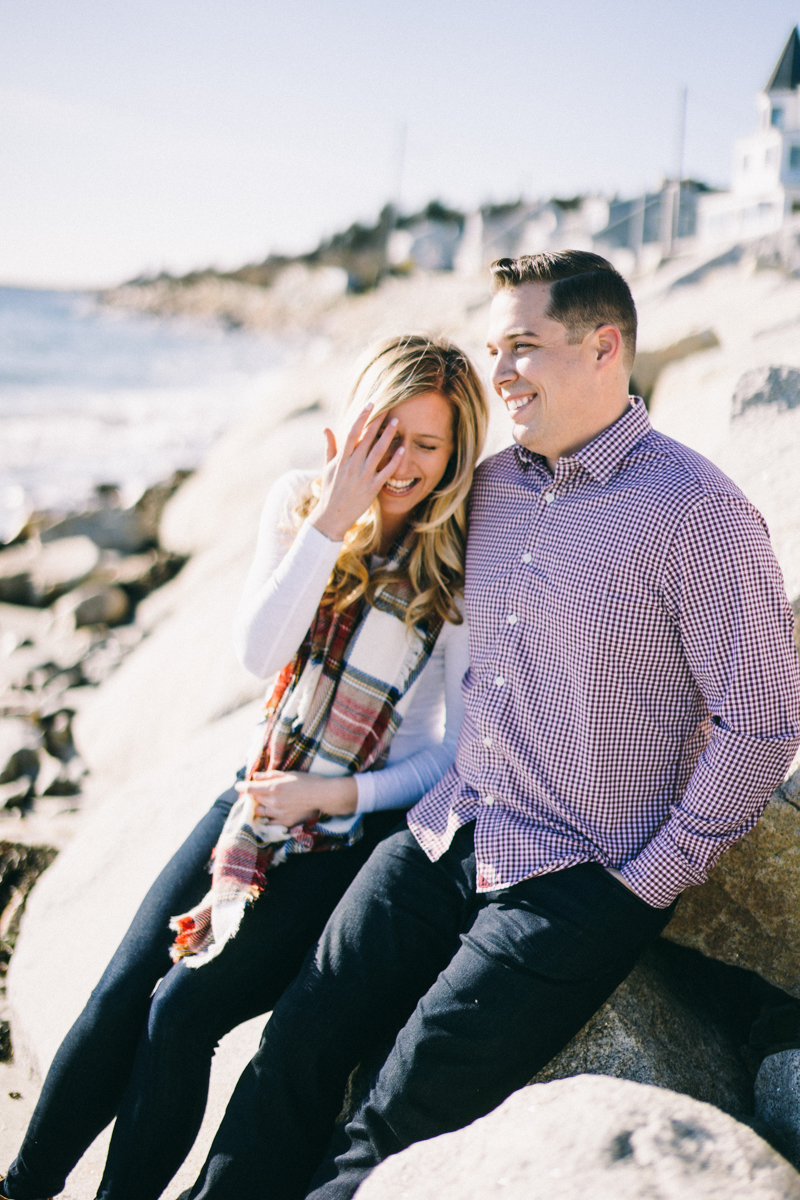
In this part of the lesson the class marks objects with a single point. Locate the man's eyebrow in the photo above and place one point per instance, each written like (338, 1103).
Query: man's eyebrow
(514, 333)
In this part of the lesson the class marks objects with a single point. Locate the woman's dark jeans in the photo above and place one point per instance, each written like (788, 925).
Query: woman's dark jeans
(145, 1058)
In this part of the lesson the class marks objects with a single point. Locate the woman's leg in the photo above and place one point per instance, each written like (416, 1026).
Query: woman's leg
(89, 1073)
(193, 1008)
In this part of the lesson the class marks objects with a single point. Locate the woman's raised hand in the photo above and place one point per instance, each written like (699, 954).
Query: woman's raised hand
(352, 477)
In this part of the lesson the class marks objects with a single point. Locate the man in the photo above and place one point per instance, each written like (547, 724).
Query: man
(632, 701)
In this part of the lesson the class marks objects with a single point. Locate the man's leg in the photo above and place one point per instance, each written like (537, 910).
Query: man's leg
(538, 960)
(391, 934)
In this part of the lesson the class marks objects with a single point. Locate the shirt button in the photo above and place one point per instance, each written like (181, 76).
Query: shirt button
(512, 618)
(549, 497)
(487, 741)
(488, 800)
(499, 681)
(526, 558)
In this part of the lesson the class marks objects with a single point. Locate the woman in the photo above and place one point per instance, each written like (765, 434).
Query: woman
(353, 598)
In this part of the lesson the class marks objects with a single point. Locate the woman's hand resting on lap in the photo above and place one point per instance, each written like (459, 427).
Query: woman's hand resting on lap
(352, 479)
(292, 797)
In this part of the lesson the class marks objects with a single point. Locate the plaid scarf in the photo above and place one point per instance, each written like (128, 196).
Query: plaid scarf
(333, 711)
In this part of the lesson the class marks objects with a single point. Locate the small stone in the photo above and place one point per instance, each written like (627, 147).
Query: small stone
(110, 606)
(93, 605)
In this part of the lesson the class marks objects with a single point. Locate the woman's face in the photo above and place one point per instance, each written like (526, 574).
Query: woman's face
(425, 431)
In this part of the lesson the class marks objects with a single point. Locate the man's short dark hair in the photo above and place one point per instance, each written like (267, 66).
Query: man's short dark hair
(585, 292)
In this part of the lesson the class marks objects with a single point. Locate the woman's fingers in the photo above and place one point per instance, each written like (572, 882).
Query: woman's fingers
(383, 440)
(255, 788)
(390, 467)
(330, 445)
(356, 430)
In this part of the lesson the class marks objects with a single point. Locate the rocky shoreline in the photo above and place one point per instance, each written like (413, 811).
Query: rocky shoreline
(162, 724)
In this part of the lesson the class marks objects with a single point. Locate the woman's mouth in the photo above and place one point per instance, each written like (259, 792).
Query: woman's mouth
(399, 487)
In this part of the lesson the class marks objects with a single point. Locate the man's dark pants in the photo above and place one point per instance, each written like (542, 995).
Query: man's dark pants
(479, 992)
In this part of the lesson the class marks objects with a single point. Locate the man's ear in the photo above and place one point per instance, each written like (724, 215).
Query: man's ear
(607, 345)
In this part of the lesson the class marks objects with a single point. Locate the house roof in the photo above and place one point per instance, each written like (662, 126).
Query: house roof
(787, 73)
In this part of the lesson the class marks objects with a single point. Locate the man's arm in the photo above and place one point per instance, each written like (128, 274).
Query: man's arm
(724, 589)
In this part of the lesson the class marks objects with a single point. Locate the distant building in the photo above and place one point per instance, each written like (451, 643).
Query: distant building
(680, 217)
(766, 172)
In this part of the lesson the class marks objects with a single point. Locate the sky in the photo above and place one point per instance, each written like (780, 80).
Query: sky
(146, 135)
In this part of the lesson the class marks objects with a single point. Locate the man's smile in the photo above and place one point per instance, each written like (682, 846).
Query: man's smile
(515, 403)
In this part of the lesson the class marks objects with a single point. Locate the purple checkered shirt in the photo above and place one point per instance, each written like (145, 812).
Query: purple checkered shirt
(633, 697)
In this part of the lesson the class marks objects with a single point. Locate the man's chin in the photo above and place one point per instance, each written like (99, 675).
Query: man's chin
(523, 436)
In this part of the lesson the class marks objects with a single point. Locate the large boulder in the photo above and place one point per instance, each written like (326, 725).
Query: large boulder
(748, 911)
(667, 1025)
(737, 403)
(608, 1139)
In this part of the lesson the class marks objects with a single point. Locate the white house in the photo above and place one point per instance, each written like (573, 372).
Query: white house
(766, 173)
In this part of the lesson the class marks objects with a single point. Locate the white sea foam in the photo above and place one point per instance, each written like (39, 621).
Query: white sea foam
(90, 395)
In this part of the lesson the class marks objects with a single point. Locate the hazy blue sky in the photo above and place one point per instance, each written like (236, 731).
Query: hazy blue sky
(141, 134)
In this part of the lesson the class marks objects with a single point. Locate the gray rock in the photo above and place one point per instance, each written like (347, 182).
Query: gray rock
(100, 606)
(748, 911)
(650, 363)
(776, 386)
(607, 1139)
(660, 1027)
(114, 528)
(37, 574)
(110, 529)
(777, 1091)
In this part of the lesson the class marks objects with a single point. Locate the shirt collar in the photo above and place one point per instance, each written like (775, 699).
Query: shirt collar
(603, 456)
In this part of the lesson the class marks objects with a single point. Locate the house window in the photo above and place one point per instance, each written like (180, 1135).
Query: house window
(796, 206)
(776, 117)
(794, 158)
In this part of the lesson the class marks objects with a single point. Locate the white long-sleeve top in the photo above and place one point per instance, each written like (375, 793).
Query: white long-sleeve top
(281, 596)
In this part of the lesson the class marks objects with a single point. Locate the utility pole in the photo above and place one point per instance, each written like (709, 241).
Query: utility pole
(400, 164)
(681, 150)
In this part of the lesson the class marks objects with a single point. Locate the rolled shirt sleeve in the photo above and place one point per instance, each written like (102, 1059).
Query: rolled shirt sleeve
(723, 588)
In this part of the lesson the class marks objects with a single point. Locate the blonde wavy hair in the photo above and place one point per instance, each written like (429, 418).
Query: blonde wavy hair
(397, 370)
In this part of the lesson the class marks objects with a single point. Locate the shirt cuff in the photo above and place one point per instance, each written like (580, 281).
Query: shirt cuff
(313, 533)
(660, 872)
(367, 792)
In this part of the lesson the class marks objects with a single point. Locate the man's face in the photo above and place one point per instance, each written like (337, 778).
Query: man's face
(547, 385)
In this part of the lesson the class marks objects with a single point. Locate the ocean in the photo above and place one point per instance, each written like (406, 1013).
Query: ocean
(93, 395)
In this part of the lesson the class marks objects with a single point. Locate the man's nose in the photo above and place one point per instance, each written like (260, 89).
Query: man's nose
(502, 370)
